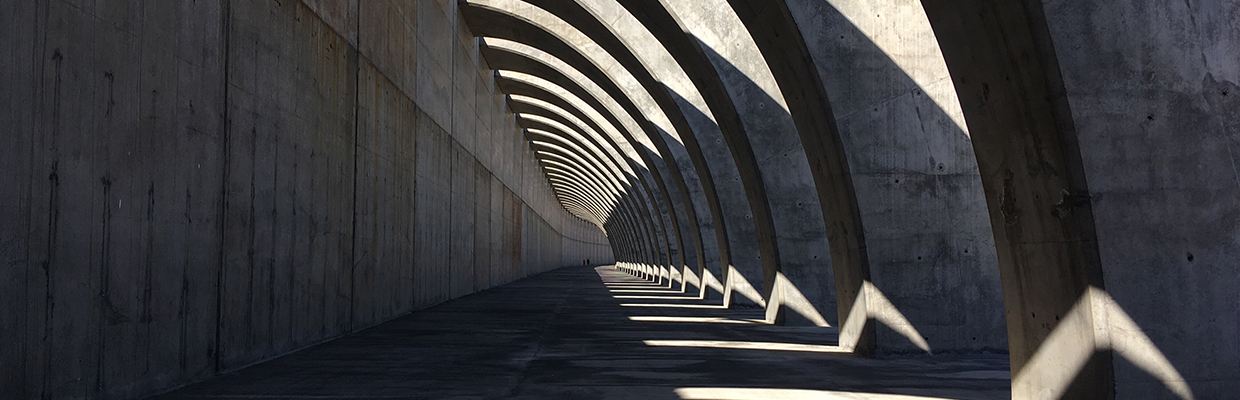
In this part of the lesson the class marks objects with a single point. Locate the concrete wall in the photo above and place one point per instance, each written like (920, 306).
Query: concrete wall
(1153, 91)
(927, 233)
(192, 187)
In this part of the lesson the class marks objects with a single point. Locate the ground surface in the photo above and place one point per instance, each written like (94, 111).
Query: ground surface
(597, 333)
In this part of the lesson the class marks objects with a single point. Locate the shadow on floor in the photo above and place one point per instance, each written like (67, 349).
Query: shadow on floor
(568, 334)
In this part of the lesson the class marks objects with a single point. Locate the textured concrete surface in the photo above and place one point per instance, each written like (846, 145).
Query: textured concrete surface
(1103, 152)
(792, 238)
(193, 187)
(565, 334)
(1155, 104)
(188, 188)
(926, 229)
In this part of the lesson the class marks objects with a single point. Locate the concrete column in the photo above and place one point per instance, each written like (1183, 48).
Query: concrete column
(918, 190)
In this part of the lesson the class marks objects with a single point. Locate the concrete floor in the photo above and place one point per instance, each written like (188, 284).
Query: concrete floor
(596, 333)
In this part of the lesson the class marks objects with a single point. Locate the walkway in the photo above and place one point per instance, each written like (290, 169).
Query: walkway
(568, 334)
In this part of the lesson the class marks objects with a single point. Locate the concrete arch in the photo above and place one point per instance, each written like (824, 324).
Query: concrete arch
(913, 166)
(553, 93)
(604, 165)
(560, 122)
(574, 182)
(588, 22)
(548, 114)
(603, 34)
(584, 165)
(786, 173)
(490, 22)
(1048, 259)
(557, 119)
(688, 52)
(549, 91)
(588, 199)
(540, 144)
(776, 35)
(636, 242)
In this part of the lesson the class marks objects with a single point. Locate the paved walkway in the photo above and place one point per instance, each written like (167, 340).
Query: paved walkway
(597, 333)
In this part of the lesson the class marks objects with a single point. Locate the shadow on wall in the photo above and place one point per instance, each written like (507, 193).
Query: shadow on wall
(1061, 358)
(917, 185)
(906, 281)
(967, 282)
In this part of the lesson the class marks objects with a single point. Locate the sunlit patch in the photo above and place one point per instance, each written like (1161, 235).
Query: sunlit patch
(871, 303)
(737, 283)
(721, 30)
(738, 345)
(700, 306)
(655, 297)
(612, 131)
(710, 281)
(1062, 355)
(704, 320)
(786, 394)
(618, 289)
(928, 71)
(785, 294)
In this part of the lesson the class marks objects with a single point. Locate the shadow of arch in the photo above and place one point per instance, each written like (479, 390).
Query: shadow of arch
(1000, 56)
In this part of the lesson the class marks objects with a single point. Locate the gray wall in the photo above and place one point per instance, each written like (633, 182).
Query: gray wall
(931, 250)
(190, 187)
(1153, 93)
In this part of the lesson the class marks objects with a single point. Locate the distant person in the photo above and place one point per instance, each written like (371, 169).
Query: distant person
(583, 262)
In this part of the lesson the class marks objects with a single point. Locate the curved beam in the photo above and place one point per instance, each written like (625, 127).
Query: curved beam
(561, 133)
(672, 33)
(485, 21)
(538, 126)
(543, 139)
(779, 40)
(590, 24)
(527, 105)
(1034, 177)
(537, 87)
(550, 145)
(570, 181)
(596, 199)
(620, 229)
(568, 134)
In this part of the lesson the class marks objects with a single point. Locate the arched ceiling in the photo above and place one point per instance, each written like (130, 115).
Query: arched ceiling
(632, 121)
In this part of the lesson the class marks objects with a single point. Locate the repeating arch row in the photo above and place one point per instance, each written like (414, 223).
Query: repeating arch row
(704, 138)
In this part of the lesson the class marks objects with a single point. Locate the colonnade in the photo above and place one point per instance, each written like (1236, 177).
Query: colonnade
(915, 173)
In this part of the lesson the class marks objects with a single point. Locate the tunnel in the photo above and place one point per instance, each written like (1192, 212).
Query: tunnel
(619, 199)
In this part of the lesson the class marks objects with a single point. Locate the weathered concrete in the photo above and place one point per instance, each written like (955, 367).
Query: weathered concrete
(192, 187)
(1153, 100)
(928, 237)
(1074, 95)
(796, 245)
(519, 22)
(563, 334)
